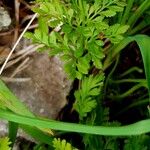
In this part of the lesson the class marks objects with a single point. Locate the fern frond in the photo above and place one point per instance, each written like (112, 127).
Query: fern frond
(86, 95)
(4, 143)
(59, 144)
(84, 33)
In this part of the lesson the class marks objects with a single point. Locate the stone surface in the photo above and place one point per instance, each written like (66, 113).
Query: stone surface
(5, 19)
(3, 128)
(45, 94)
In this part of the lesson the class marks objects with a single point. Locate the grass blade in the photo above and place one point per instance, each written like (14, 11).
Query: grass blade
(137, 128)
(143, 42)
(9, 101)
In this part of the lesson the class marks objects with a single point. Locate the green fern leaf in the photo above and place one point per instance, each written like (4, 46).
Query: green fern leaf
(62, 145)
(86, 96)
(4, 143)
(109, 13)
(115, 32)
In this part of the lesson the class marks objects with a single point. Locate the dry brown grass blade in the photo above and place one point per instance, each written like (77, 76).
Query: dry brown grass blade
(15, 45)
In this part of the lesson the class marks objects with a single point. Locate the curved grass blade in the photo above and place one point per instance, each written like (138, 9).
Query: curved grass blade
(137, 128)
(143, 43)
(9, 101)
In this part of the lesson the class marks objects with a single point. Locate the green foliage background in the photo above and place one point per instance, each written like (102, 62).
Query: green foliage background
(88, 36)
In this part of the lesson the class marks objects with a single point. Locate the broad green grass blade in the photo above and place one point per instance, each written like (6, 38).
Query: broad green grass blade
(143, 42)
(9, 101)
(137, 128)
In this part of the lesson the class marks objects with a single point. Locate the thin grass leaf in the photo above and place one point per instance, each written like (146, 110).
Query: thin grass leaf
(137, 128)
(143, 43)
(9, 101)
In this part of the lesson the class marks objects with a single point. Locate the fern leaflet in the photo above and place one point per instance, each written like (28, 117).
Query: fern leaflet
(62, 145)
(86, 95)
(4, 143)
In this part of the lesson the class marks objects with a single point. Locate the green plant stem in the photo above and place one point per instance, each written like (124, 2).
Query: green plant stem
(128, 80)
(137, 14)
(130, 70)
(127, 11)
(137, 128)
(110, 74)
(129, 92)
(114, 51)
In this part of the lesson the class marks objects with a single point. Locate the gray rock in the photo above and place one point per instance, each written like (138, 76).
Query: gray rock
(3, 128)
(45, 94)
(5, 19)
